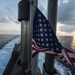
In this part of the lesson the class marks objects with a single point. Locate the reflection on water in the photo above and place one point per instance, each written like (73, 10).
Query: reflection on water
(73, 43)
(65, 41)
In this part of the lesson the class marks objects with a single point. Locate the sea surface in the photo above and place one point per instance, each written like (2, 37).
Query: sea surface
(5, 53)
(67, 41)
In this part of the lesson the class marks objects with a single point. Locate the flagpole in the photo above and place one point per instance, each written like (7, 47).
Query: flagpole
(32, 13)
(26, 36)
(52, 15)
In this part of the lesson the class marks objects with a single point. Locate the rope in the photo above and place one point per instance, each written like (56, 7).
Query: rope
(31, 2)
(28, 69)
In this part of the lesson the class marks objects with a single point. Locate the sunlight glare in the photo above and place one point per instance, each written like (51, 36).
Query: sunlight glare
(73, 43)
(74, 33)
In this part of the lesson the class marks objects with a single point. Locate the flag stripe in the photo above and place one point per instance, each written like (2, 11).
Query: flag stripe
(36, 50)
(71, 55)
(66, 54)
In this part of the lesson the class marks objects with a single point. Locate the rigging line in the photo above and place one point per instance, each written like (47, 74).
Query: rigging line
(31, 2)
(28, 68)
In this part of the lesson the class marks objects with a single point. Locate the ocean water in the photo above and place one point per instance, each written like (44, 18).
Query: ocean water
(60, 68)
(67, 41)
(5, 53)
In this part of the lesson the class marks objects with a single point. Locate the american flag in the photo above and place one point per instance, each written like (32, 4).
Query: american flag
(36, 50)
(44, 35)
(68, 56)
(45, 40)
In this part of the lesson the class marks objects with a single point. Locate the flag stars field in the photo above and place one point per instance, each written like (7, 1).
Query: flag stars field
(47, 45)
(45, 25)
(55, 43)
(42, 40)
(40, 25)
(50, 34)
(46, 34)
(42, 28)
(39, 15)
(47, 39)
(57, 48)
(42, 44)
(45, 30)
(41, 35)
(51, 44)
(44, 20)
(40, 20)
(49, 29)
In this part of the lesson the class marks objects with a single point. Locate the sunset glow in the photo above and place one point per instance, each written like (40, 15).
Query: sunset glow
(73, 43)
(74, 33)
(63, 33)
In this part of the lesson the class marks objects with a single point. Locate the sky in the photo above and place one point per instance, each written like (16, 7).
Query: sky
(8, 17)
(65, 16)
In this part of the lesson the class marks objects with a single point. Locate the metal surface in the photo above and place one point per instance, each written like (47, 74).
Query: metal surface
(52, 13)
(24, 50)
(35, 59)
(26, 44)
(26, 36)
(44, 70)
(23, 10)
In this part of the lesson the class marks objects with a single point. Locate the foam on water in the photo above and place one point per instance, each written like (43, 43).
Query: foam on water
(5, 53)
(60, 68)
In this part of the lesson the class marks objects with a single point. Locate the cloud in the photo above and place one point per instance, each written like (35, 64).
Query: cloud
(8, 14)
(11, 28)
(3, 17)
(9, 23)
(67, 28)
(66, 12)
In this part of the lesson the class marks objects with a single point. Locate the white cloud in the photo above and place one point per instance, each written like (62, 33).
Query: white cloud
(66, 12)
(9, 17)
(10, 28)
